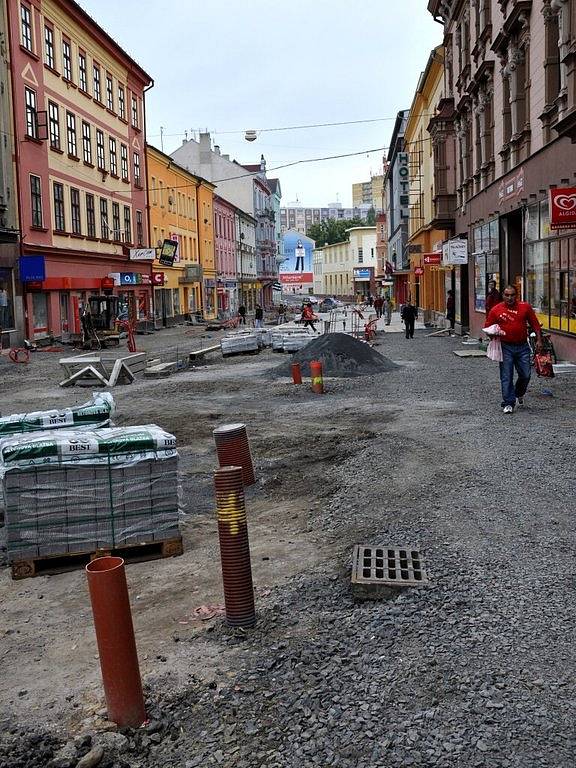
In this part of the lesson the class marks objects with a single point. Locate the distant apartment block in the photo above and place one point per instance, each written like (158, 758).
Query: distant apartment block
(300, 217)
(369, 193)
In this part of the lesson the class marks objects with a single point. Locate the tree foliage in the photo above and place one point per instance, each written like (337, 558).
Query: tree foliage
(332, 231)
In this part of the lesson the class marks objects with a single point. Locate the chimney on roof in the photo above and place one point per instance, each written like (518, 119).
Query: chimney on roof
(216, 149)
(262, 164)
(226, 157)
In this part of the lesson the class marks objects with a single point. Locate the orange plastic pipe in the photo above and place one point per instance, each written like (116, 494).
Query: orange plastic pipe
(317, 380)
(116, 643)
(296, 373)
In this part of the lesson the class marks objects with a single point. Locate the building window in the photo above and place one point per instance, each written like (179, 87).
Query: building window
(71, 131)
(139, 229)
(109, 93)
(66, 60)
(116, 221)
(82, 72)
(26, 27)
(134, 111)
(90, 216)
(104, 228)
(87, 142)
(122, 102)
(113, 157)
(49, 47)
(124, 162)
(36, 199)
(127, 225)
(75, 208)
(360, 255)
(136, 169)
(54, 124)
(59, 219)
(100, 155)
(96, 79)
(31, 116)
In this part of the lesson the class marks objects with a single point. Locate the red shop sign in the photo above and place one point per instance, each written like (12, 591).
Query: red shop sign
(432, 258)
(107, 282)
(418, 271)
(158, 278)
(563, 208)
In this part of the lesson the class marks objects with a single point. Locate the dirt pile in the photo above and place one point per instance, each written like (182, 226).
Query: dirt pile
(341, 355)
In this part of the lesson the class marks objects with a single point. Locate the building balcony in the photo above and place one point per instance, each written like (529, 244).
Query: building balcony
(444, 211)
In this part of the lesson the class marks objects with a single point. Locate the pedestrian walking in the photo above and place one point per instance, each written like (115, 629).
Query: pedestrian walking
(387, 309)
(409, 314)
(370, 300)
(451, 309)
(258, 316)
(378, 303)
(514, 317)
(308, 316)
(281, 314)
(493, 296)
(242, 314)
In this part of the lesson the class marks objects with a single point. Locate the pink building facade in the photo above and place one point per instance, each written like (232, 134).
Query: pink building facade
(225, 246)
(79, 127)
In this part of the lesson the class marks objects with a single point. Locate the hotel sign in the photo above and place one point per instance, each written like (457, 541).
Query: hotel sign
(563, 208)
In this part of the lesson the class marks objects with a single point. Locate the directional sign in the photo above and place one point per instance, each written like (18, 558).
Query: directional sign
(432, 258)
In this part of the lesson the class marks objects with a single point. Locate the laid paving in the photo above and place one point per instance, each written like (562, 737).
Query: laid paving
(476, 669)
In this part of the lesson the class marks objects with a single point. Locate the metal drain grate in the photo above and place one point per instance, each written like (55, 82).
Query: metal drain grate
(390, 567)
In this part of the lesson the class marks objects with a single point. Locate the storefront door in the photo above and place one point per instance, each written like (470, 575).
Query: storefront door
(64, 317)
(40, 315)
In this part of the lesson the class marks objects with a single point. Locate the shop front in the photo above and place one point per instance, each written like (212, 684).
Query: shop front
(364, 283)
(227, 292)
(210, 298)
(54, 299)
(11, 311)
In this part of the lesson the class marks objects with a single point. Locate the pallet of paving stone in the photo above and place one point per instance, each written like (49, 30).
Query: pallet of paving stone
(96, 412)
(71, 561)
(79, 492)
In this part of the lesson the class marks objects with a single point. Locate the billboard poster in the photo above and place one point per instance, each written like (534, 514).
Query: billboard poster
(297, 267)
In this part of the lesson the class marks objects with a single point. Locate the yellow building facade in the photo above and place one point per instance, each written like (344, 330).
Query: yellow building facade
(427, 281)
(180, 206)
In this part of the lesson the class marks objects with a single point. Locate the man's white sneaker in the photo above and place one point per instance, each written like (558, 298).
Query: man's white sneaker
(508, 409)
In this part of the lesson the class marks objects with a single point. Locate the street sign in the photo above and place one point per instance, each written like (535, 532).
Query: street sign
(563, 208)
(432, 258)
(455, 251)
(142, 254)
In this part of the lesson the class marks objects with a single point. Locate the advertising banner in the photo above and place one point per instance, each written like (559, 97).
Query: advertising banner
(168, 253)
(563, 208)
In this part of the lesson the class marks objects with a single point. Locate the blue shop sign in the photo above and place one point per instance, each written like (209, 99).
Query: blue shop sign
(32, 269)
(129, 278)
(362, 274)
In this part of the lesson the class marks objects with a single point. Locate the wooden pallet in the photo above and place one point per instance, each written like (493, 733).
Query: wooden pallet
(134, 553)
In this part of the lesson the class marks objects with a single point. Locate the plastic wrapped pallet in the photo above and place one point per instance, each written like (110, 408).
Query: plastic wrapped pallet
(79, 491)
(97, 412)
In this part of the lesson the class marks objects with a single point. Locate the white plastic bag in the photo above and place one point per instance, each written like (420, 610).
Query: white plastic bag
(494, 351)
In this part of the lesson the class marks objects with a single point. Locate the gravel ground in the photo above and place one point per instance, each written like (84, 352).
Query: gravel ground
(474, 670)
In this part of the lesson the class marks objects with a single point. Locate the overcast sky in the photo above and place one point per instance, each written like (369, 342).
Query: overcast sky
(232, 66)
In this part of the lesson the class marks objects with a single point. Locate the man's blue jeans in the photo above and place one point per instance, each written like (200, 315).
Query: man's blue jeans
(516, 356)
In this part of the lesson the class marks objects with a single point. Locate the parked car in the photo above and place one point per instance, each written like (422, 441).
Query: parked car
(329, 303)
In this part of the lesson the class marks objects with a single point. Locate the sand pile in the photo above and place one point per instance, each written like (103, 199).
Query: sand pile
(341, 355)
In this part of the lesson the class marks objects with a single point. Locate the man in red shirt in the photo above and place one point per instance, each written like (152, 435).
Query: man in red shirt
(514, 317)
